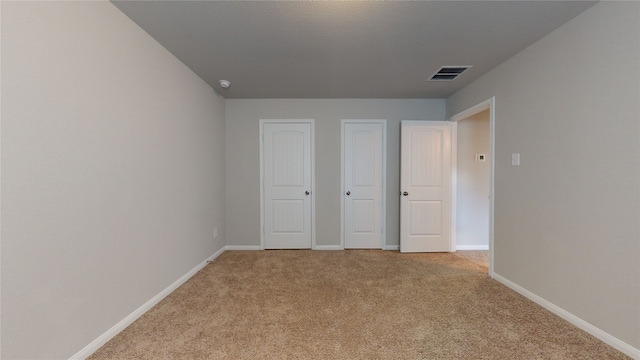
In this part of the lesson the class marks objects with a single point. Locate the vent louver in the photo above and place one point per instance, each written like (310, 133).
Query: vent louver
(448, 73)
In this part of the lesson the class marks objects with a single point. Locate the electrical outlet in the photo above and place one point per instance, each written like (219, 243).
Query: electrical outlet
(215, 233)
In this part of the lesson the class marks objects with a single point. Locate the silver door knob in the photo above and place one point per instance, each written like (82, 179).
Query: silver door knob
(306, 193)
(348, 193)
(405, 193)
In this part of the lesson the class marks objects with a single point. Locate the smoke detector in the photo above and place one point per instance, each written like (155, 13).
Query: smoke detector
(224, 84)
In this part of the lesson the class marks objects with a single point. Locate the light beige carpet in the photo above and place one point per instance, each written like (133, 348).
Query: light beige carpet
(480, 257)
(349, 305)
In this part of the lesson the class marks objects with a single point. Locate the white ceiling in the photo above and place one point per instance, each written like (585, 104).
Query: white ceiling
(345, 49)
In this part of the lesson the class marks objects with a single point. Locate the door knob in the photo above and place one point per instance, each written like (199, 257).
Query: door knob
(405, 193)
(348, 193)
(306, 193)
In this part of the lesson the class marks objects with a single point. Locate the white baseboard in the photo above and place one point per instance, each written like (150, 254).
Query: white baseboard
(391, 247)
(472, 247)
(117, 328)
(328, 247)
(242, 247)
(597, 332)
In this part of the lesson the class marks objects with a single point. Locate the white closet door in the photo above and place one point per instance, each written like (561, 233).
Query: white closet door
(363, 184)
(425, 185)
(287, 185)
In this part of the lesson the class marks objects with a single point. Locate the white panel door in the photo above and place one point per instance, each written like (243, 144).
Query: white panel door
(425, 186)
(287, 185)
(363, 185)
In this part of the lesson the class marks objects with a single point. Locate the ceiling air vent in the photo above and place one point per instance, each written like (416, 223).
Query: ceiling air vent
(448, 73)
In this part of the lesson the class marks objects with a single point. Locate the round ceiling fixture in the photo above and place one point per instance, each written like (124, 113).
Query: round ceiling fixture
(224, 84)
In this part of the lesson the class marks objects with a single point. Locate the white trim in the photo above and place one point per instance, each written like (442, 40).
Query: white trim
(328, 247)
(313, 182)
(342, 123)
(392, 247)
(243, 247)
(261, 136)
(492, 155)
(313, 174)
(472, 247)
(453, 233)
(122, 324)
(487, 104)
(383, 122)
(491, 105)
(589, 328)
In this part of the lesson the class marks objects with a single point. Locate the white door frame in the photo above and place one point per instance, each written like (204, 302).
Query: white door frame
(383, 245)
(311, 122)
(491, 105)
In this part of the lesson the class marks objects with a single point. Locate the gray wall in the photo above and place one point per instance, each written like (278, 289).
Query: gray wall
(474, 181)
(566, 220)
(112, 173)
(243, 158)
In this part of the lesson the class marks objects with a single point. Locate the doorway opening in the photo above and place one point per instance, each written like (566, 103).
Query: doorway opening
(473, 179)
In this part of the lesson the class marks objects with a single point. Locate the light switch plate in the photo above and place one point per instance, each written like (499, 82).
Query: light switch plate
(515, 159)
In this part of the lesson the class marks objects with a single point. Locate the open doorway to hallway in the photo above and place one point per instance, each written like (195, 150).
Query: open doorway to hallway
(473, 183)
